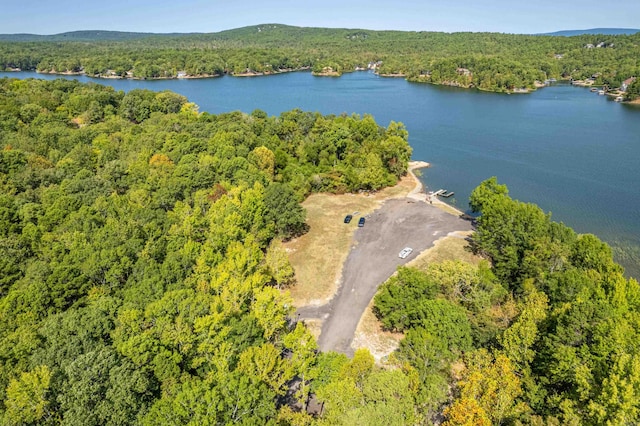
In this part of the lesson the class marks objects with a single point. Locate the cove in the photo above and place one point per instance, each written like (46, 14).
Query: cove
(564, 148)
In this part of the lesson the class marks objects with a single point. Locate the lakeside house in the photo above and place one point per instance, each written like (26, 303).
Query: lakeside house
(625, 84)
(602, 44)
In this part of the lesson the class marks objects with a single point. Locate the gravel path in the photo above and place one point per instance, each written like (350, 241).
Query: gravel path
(373, 259)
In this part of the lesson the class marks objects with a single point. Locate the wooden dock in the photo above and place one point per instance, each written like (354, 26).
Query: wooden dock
(443, 193)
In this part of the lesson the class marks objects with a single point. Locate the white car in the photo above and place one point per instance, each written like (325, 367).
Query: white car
(405, 252)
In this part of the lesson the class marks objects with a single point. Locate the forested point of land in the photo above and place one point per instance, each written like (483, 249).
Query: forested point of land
(486, 61)
(143, 280)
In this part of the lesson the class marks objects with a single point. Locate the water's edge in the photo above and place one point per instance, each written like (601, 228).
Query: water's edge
(564, 148)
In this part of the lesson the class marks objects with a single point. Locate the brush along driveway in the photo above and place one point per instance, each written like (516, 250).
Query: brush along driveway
(373, 258)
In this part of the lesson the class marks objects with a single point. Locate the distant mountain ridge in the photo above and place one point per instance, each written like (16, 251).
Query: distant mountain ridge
(86, 35)
(103, 35)
(606, 31)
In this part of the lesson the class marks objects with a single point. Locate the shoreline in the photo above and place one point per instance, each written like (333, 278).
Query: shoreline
(418, 194)
(176, 77)
(334, 74)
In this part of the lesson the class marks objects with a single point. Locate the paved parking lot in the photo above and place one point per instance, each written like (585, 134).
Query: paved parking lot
(374, 258)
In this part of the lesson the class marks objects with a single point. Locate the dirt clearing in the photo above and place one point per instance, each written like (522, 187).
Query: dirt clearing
(317, 257)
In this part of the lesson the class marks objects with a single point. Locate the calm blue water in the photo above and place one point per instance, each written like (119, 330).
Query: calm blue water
(570, 151)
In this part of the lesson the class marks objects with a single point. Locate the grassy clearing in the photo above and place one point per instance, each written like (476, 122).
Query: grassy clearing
(453, 247)
(317, 257)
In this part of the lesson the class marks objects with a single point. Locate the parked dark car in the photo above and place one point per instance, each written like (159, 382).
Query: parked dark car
(361, 222)
(347, 218)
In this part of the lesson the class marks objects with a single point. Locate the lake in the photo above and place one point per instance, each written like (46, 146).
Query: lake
(570, 151)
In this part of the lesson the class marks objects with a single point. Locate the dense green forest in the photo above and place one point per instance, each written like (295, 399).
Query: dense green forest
(544, 334)
(143, 280)
(141, 271)
(487, 61)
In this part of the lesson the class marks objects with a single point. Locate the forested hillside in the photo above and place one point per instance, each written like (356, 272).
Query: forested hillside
(487, 61)
(143, 280)
(78, 36)
(548, 335)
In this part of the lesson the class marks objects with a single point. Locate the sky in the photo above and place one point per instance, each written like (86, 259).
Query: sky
(162, 16)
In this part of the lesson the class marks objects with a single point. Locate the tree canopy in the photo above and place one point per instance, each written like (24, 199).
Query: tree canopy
(486, 61)
(142, 279)
(547, 335)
